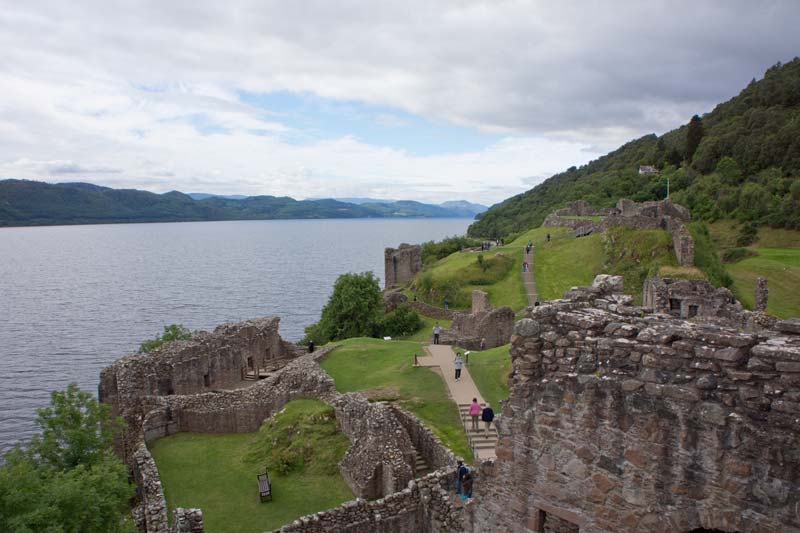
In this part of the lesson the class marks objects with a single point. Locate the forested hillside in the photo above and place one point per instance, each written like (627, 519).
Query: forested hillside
(32, 203)
(741, 161)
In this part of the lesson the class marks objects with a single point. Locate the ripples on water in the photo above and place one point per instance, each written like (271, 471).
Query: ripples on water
(75, 298)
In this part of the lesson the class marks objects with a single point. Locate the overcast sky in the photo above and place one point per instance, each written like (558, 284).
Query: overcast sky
(424, 100)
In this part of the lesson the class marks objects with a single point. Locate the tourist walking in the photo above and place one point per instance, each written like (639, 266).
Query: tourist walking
(474, 413)
(310, 346)
(487, 416)
(446, 304)
(483, 343)
(436, 331)
(461, 471)
(466, 486)
(459, 364)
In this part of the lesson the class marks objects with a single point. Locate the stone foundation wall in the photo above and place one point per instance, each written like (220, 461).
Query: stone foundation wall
(152, 504)
(622, 421)
(381, 457)
(401, 264)
(425, 506)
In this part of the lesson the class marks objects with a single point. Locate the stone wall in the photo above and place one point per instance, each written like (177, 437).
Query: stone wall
(381, 457)
(761, 295)
(425, 506)
(401, 264)
(436, 454)
(432, 311)
(623, 421)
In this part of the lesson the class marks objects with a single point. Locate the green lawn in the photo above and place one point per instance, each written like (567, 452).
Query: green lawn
(777, 259)
(593, 218)
(426, 333)
(566, 262)
(384, 370)
(490, 370)
(781, 267)
(218, 474)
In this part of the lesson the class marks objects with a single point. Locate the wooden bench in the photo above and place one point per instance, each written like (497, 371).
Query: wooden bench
(264, 486)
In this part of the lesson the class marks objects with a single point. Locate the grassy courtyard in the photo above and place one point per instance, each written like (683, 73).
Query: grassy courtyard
(383, 370)
(218, 472)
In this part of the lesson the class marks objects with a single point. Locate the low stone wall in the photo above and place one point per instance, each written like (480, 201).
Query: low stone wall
(430, 447)
(623, 421)
(432, 311)
(425, 506)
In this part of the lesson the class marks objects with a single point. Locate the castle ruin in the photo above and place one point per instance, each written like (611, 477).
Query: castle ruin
(401, 264)
(663, 215)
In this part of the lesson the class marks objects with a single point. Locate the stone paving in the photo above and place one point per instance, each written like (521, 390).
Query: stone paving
(462, 392)
(527, 278)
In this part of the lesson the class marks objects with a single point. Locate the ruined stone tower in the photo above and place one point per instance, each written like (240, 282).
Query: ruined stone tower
(401, 264)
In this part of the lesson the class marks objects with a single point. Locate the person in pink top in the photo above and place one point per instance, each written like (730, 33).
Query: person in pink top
(475, 412)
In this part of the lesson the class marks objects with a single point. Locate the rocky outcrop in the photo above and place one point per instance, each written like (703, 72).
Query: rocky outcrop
(624, 421)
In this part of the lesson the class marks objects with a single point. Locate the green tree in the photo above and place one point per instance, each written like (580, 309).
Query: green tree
(355, 309)
(173, 332)
(728, 169)
(693, 136)
(67, 479)
(754, 201)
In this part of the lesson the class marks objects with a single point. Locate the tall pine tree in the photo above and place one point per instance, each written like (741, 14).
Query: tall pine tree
(694, 136)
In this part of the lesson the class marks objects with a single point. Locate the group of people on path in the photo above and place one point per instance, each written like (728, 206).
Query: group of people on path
(486, 414)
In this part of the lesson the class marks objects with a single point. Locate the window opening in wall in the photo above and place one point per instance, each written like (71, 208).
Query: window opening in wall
(693, 310)
(674, 305)
(206, 380)
(249, 362)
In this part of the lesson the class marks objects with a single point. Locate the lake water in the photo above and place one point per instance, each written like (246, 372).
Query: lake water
(75, 298)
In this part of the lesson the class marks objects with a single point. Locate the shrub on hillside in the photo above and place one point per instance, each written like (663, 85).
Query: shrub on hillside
(173, 332)
(433, 251)
(355, 309)
(401, 322)
(67, 478)
(735, 255)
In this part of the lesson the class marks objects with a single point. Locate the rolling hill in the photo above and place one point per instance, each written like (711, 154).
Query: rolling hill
(34, 203)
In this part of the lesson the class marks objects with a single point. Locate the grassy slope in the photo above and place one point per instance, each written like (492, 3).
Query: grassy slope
(566, 262)
(214, 472)
(365, 364)
(490, 370)
(508, 291)
(778, 260)
(425, 334)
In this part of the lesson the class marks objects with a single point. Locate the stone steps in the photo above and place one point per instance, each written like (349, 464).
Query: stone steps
(421, 467)
(482, 442)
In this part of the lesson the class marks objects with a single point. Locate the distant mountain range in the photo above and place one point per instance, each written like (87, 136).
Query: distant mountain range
(35, 203)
